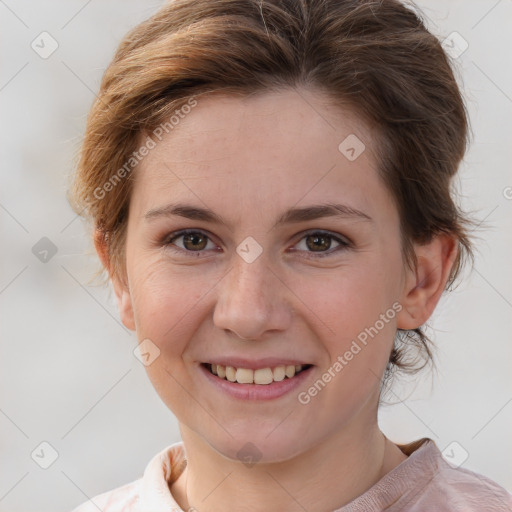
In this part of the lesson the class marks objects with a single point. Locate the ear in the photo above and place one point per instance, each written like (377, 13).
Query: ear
(425, 284)
(121, 290)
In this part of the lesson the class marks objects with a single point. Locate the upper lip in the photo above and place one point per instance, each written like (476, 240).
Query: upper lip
(255, 364)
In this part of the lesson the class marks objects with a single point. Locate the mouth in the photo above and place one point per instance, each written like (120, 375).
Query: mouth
(257, 377)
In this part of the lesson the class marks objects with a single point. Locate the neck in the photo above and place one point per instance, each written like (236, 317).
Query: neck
(324, 478)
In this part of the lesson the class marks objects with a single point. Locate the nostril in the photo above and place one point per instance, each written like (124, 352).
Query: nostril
(241, 337)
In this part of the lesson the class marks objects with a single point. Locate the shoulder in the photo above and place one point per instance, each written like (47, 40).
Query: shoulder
(149, 493)
(452, 488)
(122, 499)
(467, 490)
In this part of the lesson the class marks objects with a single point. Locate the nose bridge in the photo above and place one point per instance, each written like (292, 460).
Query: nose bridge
(249, 283)
(251, 300)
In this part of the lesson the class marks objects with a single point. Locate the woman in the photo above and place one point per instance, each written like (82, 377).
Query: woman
(269, 185)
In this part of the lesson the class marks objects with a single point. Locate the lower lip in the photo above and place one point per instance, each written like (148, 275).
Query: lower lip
(257, 391)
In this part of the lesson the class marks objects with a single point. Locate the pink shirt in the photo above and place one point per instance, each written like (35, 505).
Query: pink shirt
(424, 482)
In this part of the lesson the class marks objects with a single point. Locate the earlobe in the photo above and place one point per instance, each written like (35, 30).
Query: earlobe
(121, 290)
(425, 284)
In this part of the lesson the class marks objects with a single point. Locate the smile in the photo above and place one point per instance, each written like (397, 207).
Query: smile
(260, 376)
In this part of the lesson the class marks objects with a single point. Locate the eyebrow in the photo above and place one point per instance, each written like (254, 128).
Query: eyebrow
(293, 215)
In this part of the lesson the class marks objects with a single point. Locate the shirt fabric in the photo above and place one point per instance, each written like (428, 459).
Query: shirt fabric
(424, 482)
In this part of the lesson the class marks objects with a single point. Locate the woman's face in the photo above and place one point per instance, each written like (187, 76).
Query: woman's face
(267, 277)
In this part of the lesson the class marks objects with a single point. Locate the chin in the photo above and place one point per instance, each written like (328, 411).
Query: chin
(251, 447)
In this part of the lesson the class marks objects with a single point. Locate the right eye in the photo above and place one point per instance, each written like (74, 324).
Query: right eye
(191, 241)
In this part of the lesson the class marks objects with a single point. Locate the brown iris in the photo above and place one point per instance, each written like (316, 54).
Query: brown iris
(194, 241)
(318, 242)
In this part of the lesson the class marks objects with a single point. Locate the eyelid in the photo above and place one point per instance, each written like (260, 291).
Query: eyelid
(336, 236)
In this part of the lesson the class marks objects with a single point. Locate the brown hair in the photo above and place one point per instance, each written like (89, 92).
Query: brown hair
(375, 56)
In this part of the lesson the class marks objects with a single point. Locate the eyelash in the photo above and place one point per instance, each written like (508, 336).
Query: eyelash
(344, 243)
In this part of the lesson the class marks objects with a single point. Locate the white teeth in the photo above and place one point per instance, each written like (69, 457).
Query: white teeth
(244, 376)
(290, 371)
(261, 376)
(231, 373)
(279, 373)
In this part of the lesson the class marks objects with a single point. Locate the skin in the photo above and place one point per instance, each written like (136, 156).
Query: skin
(249, 160)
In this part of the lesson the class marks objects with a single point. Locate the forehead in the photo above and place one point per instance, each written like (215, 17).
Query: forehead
(273, 149)
(284, 117)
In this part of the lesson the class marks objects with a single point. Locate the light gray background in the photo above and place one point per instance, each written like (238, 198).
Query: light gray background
(67, 372)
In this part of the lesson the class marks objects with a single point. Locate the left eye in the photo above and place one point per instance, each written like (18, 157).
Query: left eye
(320, 242)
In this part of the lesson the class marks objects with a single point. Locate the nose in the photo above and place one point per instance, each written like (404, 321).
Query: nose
(252, 300)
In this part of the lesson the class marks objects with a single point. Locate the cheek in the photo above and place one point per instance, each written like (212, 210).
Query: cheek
(354, 309)
(347, 300)
(165, 306)
(164, 303)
